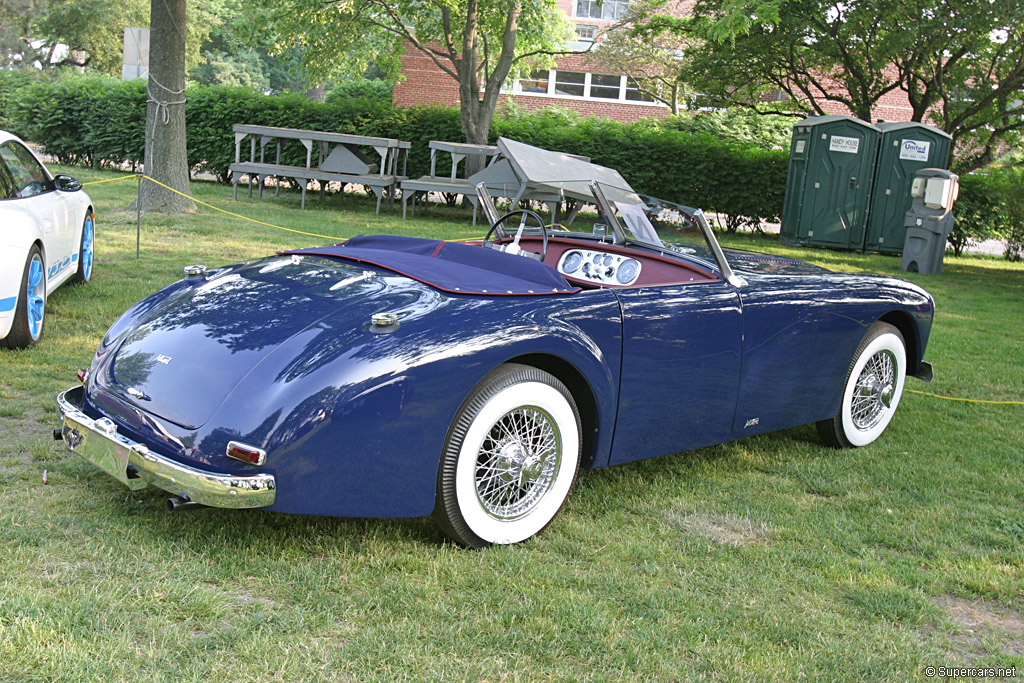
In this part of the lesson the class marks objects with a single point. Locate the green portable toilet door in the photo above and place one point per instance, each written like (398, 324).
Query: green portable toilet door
(839, 174)
(904, 150)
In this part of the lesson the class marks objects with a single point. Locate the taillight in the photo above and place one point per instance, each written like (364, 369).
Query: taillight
(83, 376)
(249, 454)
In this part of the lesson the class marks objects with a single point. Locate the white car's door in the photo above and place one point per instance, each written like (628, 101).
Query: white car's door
(53, 210)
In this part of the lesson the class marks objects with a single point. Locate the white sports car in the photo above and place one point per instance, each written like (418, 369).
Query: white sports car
(47, 228)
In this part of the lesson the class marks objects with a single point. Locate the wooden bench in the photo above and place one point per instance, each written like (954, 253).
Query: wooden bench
(339, 159)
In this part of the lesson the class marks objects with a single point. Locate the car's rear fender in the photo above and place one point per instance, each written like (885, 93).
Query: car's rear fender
(362, 434)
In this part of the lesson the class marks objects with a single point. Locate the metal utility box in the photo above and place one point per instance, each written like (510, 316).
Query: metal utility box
(904, 149)
(828, 190)
(929, 220)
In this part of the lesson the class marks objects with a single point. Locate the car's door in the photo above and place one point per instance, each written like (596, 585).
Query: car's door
(36, 192)
(680, 368)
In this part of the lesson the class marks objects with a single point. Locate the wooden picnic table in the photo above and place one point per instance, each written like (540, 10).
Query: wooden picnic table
(451, 184)
(340, 158)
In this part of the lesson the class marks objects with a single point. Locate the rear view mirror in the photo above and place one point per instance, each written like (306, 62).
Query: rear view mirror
(66, 183)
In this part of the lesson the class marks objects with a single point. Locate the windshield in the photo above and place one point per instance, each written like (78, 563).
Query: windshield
(614, 213)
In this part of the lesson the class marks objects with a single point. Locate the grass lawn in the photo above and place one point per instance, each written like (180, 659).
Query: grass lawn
(770, 558)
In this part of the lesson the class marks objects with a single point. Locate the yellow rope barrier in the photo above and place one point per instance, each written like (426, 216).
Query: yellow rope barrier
(109, 180)
(235, 215)
(968, 400)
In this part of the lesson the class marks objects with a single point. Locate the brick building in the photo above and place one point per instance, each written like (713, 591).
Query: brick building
(575, 82)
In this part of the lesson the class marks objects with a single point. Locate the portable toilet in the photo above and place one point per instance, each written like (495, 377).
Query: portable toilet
(828, 189)
(905, 148)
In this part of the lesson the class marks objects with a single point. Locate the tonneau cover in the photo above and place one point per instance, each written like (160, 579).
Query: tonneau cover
(450, 266)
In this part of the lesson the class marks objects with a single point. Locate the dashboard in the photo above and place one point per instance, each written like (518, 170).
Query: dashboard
(600, 268)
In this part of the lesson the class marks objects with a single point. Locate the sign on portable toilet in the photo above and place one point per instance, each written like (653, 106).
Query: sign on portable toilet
(828, 189)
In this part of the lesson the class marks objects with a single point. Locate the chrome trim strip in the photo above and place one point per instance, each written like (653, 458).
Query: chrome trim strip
(135, 466)
(608, 211)
(723, 264)
(487, 203)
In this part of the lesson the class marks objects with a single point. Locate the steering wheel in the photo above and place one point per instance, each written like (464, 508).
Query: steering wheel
(513, 247)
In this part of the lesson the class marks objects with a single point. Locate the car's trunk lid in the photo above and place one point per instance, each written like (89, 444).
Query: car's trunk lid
(182, 360)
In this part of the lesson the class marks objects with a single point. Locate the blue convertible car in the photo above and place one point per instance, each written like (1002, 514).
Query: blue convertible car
(396, 377)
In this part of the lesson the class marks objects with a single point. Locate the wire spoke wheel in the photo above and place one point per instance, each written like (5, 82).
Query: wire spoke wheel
(872, 391)
(517, 462)
(510, 458)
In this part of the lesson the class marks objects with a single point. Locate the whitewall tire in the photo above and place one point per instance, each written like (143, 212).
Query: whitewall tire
(873, 388)
(510, 459)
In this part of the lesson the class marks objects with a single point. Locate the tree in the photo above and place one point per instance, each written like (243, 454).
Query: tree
(960, 63)
(86, 34)
(650, 45)
(165, 151)
(478, 43)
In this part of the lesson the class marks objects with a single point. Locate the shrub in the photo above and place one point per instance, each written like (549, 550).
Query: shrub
(1013, 218)
(101, 121)
(977, 213)
(12, 83)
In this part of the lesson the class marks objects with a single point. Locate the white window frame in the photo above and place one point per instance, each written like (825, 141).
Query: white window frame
(623, 3)
(517, 90)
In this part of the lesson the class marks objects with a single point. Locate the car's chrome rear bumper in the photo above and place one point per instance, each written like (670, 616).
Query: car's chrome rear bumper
(133, 464)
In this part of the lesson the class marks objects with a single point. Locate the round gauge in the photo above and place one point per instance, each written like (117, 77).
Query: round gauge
(572, 262)
(628, 271)
(607, 259)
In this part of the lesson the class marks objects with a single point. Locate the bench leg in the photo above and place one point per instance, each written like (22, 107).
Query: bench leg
(405, 202)
(303, 204)
(234, 188)
(379, 193)
(250, 186)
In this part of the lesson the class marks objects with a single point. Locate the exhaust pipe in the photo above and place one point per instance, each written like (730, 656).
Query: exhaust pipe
(177, 503)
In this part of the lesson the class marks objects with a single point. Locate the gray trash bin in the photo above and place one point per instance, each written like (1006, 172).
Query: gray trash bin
(930, 220)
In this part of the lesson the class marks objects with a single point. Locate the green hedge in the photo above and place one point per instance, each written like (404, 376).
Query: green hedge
(101, 121)
(976, 213)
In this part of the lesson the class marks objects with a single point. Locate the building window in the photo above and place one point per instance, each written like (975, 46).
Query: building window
(581, 85)
(570, 83)
(609, 10)
(633, 93)
(605, 87)
(537, 82)
(586, 33)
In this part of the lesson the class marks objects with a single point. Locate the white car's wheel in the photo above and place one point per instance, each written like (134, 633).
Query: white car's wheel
(510, 459)
(85, 250)
(30, 311)
(874, 385)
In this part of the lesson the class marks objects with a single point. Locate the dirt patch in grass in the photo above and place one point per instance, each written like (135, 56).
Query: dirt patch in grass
(980, 621)
(726, 529)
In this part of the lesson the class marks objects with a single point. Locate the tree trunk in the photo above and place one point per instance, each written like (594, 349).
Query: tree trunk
(165, 152)
(316, 93)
